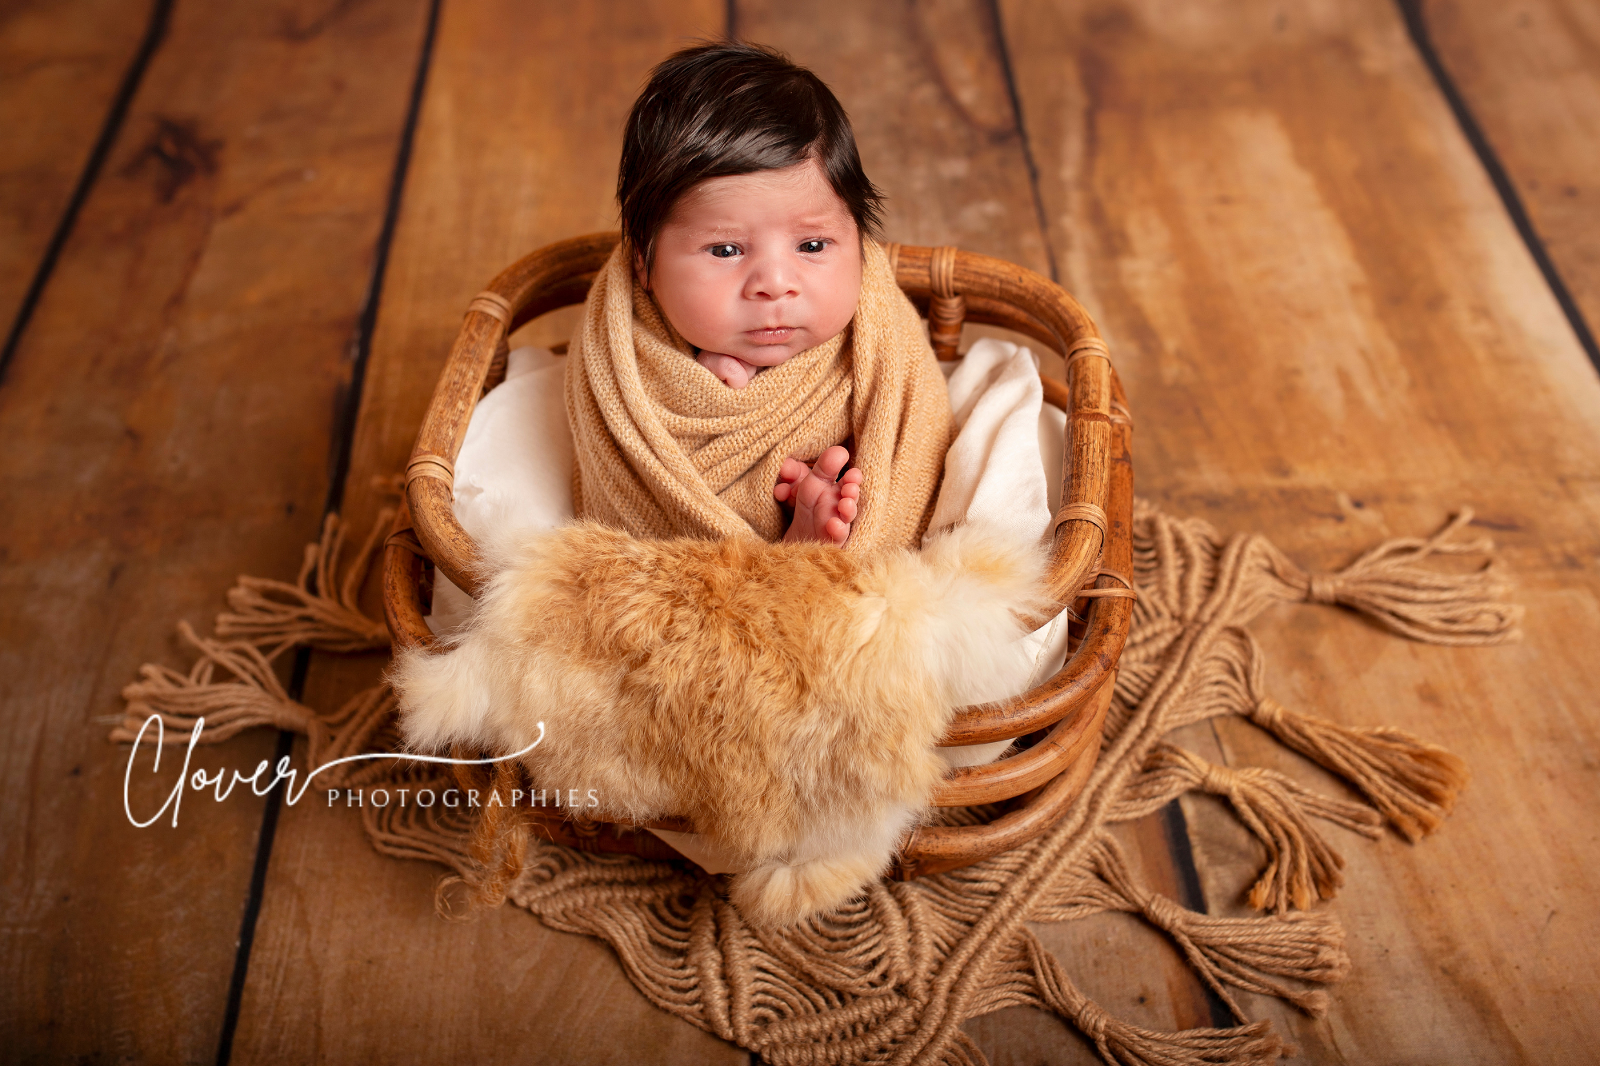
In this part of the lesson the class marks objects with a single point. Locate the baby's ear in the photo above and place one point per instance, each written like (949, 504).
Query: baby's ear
(641, 275)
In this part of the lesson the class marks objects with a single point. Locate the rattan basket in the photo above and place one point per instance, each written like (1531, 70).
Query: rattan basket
(1058, 724)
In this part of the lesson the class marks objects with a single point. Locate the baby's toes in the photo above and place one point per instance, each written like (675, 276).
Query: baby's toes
(790, 474)
(830, 462)
(836, 530)
(847, 508)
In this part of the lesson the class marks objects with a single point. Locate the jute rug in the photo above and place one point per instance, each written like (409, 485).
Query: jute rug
(891, 978)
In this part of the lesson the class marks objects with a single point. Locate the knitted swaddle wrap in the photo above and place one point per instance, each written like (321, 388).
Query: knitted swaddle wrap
(665, 449)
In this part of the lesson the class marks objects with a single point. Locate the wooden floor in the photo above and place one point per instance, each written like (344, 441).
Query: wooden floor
(1343, 253)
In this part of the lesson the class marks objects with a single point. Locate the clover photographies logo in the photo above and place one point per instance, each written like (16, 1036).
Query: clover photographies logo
(223, 782)
(563, 798)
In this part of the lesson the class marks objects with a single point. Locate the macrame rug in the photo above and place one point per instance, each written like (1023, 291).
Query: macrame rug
(892, 977)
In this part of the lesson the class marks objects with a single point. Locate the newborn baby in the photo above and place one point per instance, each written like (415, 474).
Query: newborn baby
(786, 697)
(752, 269)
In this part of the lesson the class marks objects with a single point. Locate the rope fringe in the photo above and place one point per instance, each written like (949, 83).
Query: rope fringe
(1247, 953)
(1434, 607)
(320, 609)
(1302, 867)
(1414, 784)
(1121, 1044)
(254, 698)
(1181, 558)
(891, 977)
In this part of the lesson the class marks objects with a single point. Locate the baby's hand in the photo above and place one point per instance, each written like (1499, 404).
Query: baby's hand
(824, 503)
(730, 369)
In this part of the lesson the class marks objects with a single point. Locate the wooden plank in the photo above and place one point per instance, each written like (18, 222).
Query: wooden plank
(1331, 333)
(1530, 73)
(172, 401)
(517, 146)
(63, 65)
(925, 85)
(926, 90)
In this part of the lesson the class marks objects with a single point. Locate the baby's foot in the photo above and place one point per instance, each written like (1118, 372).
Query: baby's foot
(730, 369)
(824, 503)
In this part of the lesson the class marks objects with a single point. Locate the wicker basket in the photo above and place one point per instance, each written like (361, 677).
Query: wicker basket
(1059, 723)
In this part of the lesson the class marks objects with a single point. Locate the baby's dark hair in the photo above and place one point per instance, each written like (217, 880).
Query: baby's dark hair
(732, 108)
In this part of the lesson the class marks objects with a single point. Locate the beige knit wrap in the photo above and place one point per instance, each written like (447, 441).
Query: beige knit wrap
(665, 449)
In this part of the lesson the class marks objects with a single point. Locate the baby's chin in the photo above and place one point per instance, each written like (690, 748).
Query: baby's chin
(765, 356)
(769, 355)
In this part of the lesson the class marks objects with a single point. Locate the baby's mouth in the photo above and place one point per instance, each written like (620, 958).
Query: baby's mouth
(771, 333)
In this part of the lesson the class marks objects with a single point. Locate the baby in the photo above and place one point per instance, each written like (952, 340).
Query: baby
(785, 697)
(761, 257)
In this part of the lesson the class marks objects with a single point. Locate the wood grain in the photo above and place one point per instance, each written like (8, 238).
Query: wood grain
(61, 65)
(172, 398)
(1333, 334)
(926, 88)
(1327, 326)
(517, 146)
(1530, 72)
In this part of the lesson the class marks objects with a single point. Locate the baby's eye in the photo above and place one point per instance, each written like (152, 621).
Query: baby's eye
(724, 251)
(813, 247)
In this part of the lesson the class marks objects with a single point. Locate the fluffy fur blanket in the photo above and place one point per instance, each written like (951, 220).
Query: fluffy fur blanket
(785, 697)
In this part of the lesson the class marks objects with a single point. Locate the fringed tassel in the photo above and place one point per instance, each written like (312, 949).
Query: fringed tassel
(1387, 585)
(1247, 953)
(254, 698)
(1302, 867)
(321, 608)
(498, 846)
(1414, 784)
(355, 729)
(1130, 1045)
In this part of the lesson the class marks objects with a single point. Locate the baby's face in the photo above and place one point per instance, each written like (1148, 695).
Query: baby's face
(759, 266)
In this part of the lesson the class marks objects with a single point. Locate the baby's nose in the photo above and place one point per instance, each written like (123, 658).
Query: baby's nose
(772, 280)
